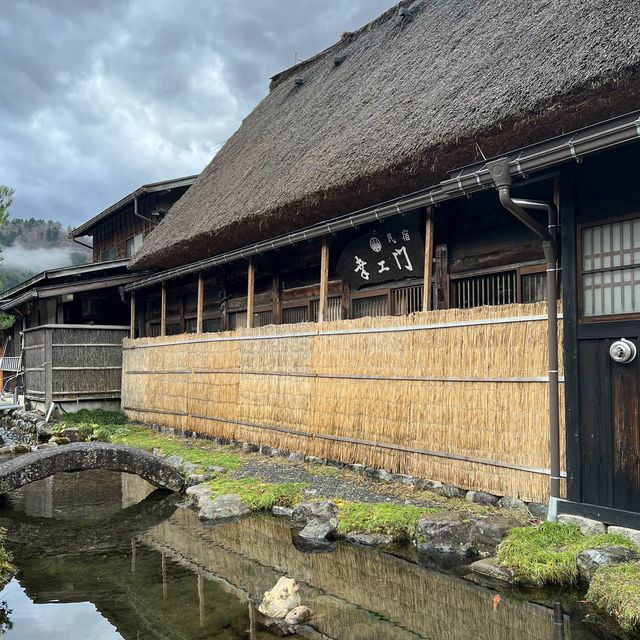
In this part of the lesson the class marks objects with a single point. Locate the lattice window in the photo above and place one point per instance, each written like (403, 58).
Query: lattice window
(611, 268)
(293, 315)
(406, 300)
(237, 320)
(262, 318)
(485, 289)
(370, 306)
(334, 309)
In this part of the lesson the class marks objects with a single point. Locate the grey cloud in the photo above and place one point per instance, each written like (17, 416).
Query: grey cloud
(99, 97)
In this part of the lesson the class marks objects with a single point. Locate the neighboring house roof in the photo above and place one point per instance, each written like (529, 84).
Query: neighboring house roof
(428, 86)
(88, 227)
(55, 282)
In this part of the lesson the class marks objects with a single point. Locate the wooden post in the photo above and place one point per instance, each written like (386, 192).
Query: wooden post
(323, 306)
(251, 283)
(276, 300)
(427, 303)
(163, 310)
(200, 311)
(132, 329)
(442, 277)
(345, 301)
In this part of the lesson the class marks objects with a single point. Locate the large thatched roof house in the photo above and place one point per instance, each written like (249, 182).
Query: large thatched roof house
(427, 87)
(425, 201)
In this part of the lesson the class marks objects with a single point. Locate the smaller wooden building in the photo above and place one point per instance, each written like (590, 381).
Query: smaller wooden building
(70, 322)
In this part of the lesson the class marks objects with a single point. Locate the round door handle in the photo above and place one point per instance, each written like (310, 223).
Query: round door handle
(623, 351)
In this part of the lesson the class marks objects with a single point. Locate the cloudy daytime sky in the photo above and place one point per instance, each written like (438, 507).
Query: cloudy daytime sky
(100, 97)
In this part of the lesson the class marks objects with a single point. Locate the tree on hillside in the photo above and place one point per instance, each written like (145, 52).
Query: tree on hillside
(6, 198)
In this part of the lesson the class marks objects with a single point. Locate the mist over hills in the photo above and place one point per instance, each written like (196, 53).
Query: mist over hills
(31, 245)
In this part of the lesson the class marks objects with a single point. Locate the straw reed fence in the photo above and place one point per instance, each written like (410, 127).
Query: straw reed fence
(355, 593)
(458, 396)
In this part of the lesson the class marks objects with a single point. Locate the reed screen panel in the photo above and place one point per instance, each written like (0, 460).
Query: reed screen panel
(458, 396)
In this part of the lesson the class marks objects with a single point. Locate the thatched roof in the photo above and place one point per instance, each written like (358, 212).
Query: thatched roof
(394, 106)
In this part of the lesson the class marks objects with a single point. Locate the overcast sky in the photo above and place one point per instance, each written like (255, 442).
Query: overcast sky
(99, 97)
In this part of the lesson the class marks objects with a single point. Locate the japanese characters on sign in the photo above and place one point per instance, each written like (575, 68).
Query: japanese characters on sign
(394, 251)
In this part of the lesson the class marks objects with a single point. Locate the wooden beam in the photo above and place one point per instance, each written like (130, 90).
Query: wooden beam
(277, 300)
(200, 310)
(251, 283)
(323, 306)
(163, 310)
(427, 301)
(132, 323)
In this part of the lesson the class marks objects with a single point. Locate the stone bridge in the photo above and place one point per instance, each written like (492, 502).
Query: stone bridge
(81, 456)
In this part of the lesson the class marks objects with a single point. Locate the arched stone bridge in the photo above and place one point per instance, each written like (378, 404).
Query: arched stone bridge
(81, 456)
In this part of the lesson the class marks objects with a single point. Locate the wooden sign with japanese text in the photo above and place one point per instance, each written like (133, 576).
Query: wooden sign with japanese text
(393, 251)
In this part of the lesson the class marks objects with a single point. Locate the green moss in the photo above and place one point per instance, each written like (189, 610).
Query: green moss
(258, 495)
(616, 591)
(396, 520)
(110, 426)
(547, 553)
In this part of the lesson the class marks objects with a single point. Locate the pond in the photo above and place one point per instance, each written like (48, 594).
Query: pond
(102, 556)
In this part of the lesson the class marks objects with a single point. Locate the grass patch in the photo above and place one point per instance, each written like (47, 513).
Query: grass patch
(616, 591)
(396, 520)
(258, 495)
(111, 426)
(546, 554)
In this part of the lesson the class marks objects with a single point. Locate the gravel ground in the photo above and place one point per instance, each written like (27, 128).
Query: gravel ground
(331, 482)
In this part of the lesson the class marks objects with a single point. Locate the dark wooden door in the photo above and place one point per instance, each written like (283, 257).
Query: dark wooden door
(609, 391)
(610, 431)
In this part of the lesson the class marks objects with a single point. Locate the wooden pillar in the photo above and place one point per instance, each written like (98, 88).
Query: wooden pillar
(163, 310)
(251, 283)
(132, 328)
(323, 306)
(427, 302)
(200, 310)
(442, 277)
(345, 301)
(276, 300)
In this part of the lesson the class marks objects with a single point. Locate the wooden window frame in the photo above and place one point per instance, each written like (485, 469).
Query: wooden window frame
(582, 319)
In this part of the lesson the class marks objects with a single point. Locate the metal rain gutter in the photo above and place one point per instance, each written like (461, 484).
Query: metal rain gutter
(518, 207)
(572, 146)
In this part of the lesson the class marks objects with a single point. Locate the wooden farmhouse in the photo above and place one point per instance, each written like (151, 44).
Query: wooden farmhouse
(421, 253)
(66, 342)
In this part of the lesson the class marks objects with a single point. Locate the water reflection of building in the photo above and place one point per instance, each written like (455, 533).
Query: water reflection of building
(155, 571)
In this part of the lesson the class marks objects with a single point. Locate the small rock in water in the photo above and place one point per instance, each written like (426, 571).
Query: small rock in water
(47, 445)
(298, 615)
(223, 507)
(59, 440)
(320, 519)
(369, 539)
(280, 600)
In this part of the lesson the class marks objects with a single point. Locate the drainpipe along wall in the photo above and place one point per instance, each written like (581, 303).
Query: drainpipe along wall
(501, 176)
